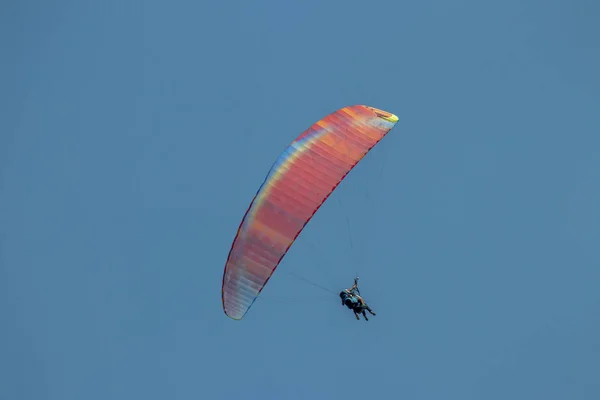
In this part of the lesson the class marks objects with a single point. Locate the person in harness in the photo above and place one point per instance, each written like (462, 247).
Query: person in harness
(352, 299)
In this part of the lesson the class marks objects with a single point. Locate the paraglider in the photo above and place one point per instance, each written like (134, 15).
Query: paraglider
(296, 186)
(352, 299)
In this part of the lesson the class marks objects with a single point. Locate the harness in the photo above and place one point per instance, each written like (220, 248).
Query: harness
(350, 300)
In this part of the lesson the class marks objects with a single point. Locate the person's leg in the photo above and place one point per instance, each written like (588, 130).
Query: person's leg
(358, 310)
(369, 309)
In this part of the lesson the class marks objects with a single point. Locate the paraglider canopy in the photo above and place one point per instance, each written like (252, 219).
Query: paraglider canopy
(297, 184)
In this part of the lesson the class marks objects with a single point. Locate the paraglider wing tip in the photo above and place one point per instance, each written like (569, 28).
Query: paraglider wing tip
(384, 114)
(391, 118)
(234, 317)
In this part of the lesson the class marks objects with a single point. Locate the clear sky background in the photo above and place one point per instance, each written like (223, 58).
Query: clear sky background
(133, 135)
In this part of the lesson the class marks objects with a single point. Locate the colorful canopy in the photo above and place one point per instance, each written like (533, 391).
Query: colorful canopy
(298, 183)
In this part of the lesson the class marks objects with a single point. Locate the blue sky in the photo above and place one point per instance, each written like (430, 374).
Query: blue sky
(135, 133)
